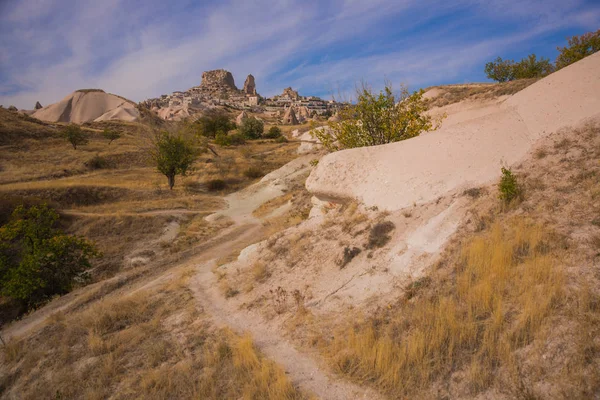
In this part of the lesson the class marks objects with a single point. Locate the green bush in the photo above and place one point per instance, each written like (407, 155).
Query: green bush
(110, 135)
(222, 139)
(273, 133)
(529, 67)
(509, 189)
(210, 125)
(38, 261)
(216, 184)
(251, 128)
(500, 70)
(579, 47)
(236, 139)
(281, 139)
(254, 172)
(173, 156)
(98, 162)
(377, 119)
(75, 135)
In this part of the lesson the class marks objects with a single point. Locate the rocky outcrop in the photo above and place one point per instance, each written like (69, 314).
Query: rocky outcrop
(250, 86)
(289, 117)
(291, 94)
(217, 79)
(37, 106)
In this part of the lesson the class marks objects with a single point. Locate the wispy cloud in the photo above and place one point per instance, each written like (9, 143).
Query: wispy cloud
(141, 49)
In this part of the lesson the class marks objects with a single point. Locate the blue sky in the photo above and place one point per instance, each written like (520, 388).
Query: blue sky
(142, 49)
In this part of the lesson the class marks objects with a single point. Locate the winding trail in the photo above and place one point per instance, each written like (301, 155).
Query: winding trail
(305, 369)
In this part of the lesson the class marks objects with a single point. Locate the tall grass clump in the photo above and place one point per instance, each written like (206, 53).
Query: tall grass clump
(504, 286)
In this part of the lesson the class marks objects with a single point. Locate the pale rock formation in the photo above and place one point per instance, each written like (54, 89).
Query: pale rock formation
(240, 118)
(289, 118)
(89, 105)
(463, 153)
(303, 113)
(250, 86)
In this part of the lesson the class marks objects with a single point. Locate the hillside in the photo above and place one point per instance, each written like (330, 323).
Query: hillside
(276, 271)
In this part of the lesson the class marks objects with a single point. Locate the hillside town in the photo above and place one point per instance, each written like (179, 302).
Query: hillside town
(218, 89)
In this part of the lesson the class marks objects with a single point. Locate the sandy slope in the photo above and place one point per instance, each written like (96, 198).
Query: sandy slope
(468, 150)
(80, 107)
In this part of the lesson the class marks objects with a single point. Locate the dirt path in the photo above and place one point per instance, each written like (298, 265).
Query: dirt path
(173, 211)
(302, 368)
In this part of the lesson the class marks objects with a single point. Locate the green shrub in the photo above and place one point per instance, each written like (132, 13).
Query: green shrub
(215, 185)
(251, 128)
(210, 125)
(98, 162)
(529, 67)
(75, 135)
(253, 172)
(110, 135)
(377, 119)
(579, 47)
(379, 234)
(500, 70)
(508, 187)
(38, 261)
(273, 133)
(222, 139)
(236, 139)
(281, 139)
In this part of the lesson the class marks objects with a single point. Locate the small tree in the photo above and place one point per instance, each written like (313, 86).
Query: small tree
(500, 70)
(579, 47)
(531, 67)
(110, 135)
(377, 119)
(173, 156)
(508, 188)
(273, 133)
(251, 128)
(75, 135)
(37, 260)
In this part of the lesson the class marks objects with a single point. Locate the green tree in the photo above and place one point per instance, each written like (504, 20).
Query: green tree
(273, 133)
(579, 47)
(37, 260)
(500, 70)
(110, 135)
(75, 135)
(210, 125)
(508, 188)
(377, 119)
(251, 128)
(531, 67)
(173, 156)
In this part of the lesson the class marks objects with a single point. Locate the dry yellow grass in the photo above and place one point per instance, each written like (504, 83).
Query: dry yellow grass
(504, 288)
(456, 93)
(153, 345)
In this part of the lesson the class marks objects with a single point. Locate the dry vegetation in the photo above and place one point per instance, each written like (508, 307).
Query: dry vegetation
(451, 94)
(152, 344)
(512, 310)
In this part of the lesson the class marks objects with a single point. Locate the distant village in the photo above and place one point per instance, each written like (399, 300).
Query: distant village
(217, 89)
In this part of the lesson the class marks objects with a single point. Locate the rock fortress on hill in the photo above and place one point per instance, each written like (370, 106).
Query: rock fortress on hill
(218, 89)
